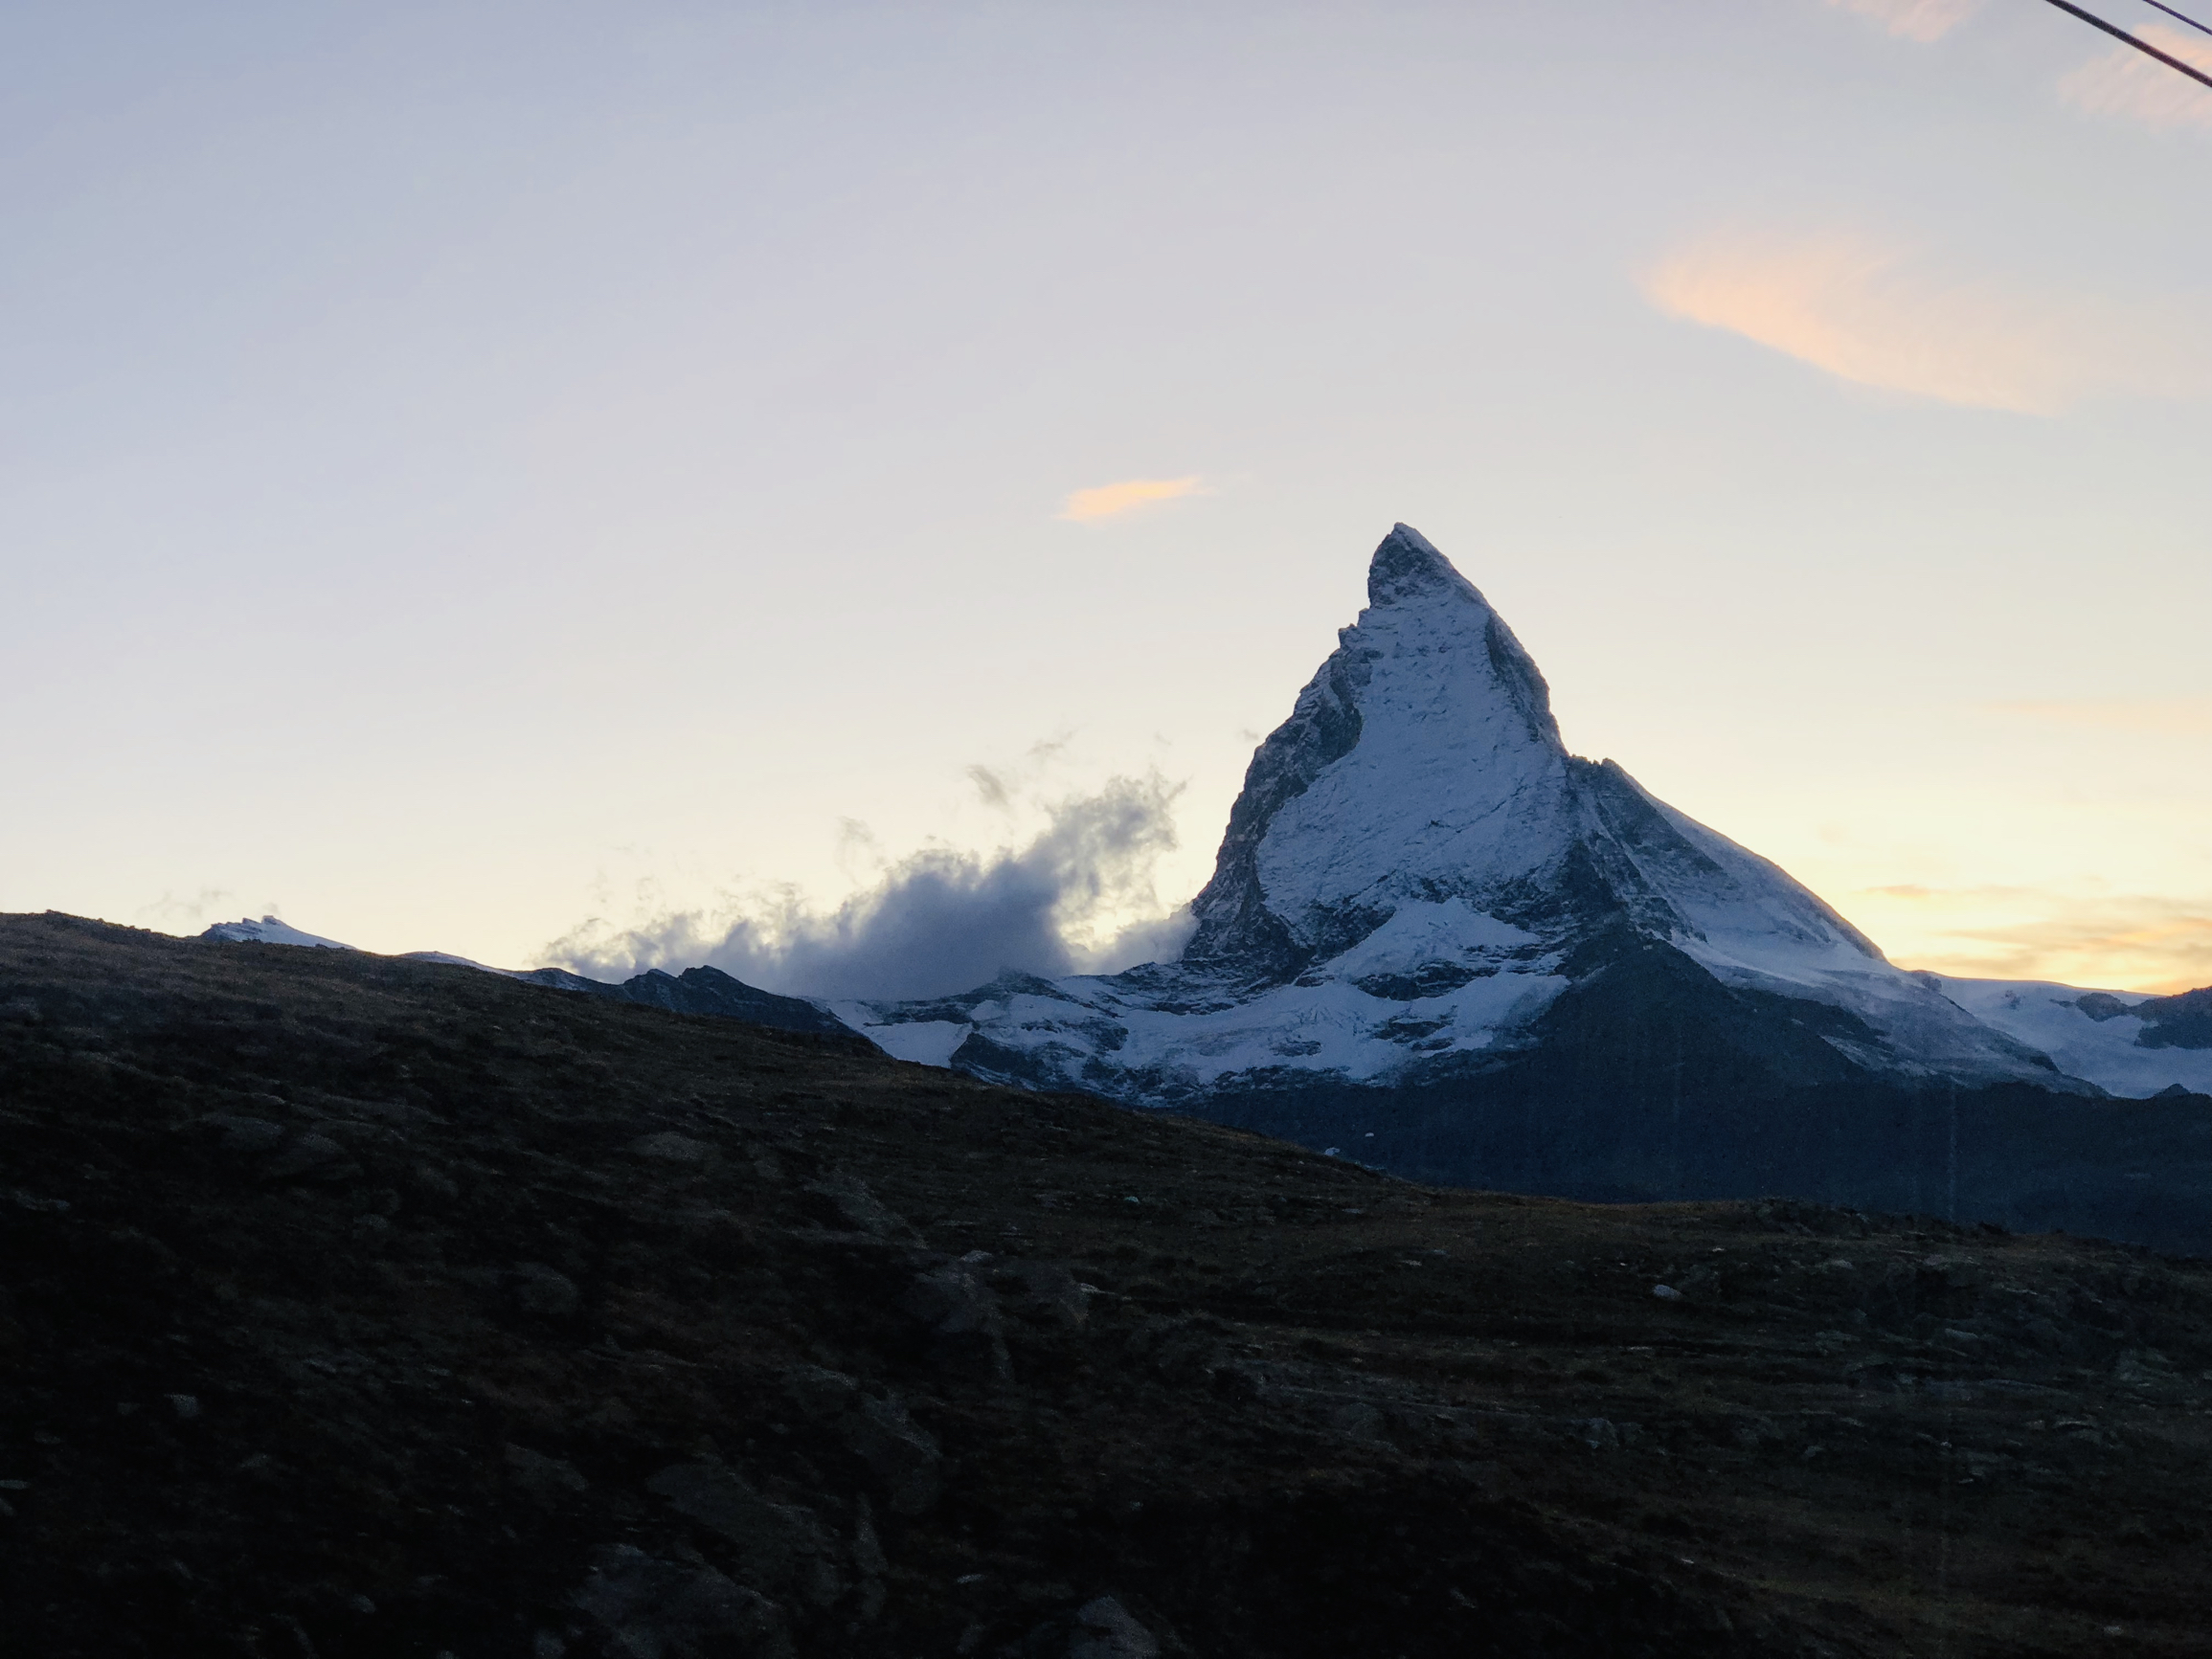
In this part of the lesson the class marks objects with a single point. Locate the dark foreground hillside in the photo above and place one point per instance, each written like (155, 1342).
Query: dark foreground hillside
(353, 1307)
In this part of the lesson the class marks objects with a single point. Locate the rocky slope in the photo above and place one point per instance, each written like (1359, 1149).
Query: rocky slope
(1434, 932)
(694, 991)
(353, 1306)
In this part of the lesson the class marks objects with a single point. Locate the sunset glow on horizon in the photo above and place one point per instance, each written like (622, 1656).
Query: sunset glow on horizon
(478, 482)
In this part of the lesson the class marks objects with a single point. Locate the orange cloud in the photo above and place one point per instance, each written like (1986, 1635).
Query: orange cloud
(1109, 500)
(2126, 84)
(1870, 313)
(1921, 20)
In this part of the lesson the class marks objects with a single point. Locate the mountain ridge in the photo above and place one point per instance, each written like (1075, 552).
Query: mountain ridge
(698, 990)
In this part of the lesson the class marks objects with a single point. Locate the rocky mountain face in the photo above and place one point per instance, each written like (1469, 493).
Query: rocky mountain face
(364, 1307)
(1438, 942)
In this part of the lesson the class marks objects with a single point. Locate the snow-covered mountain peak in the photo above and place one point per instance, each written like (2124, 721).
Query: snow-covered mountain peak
(1420, 886)
(1421, 761)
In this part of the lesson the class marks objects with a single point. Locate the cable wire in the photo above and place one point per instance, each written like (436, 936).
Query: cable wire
(2181, 17)
(2140, 45)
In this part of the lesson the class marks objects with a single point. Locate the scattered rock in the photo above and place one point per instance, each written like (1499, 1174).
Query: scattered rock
(2143, 1368)
(1047, 1294)
(186, 1407)
(1179, 1351)
(1666, 1293)
(1598, 1434)
(434, 1185)
(966, 1334)
(310, 1157)
(820, 1393)
(651, 1609)
(1244, 1383)
(1358, 1420)
(781, 1547)
(1106, 1629)
(1753, 1432)
(669, 1147)
(844, 1201)
(544, 1480)
(245, 1136)
(544, 1291)
(866, 1548)
(903, 1457)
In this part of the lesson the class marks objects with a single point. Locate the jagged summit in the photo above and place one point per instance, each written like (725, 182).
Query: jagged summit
(1421, 759)
(1407, 565)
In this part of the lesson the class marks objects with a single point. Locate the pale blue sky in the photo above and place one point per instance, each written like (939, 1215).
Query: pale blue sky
(466, 470)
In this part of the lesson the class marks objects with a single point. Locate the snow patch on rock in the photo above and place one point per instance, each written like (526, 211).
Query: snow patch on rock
(268, 931)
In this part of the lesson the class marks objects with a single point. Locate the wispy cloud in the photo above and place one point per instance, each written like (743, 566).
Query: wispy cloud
(2133, 942)
(2126, 84)
(2161, 717)
(170, 914)
(1077, 898)
(1109, 500)
(1872, 313)
(1922, 20)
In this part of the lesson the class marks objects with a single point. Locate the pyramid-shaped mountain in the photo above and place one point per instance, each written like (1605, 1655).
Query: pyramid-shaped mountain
(1437, 942)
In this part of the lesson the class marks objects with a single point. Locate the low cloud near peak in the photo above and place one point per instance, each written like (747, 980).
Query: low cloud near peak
(1078, 897)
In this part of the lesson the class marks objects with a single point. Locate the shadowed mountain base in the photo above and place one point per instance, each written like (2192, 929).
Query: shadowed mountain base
(1651, 1081)
(360, 1307)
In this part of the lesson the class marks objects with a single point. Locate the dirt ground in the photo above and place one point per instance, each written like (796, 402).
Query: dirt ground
(360, 1307)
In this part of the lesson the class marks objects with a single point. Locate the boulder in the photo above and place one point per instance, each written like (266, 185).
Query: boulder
(545, 1291)
(1106, 1629)
(844, 1201)
(782, 1548)
(669, 1147)
(545, 1481)
(651, 1608)
(967, 1335)
(903, 1457)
